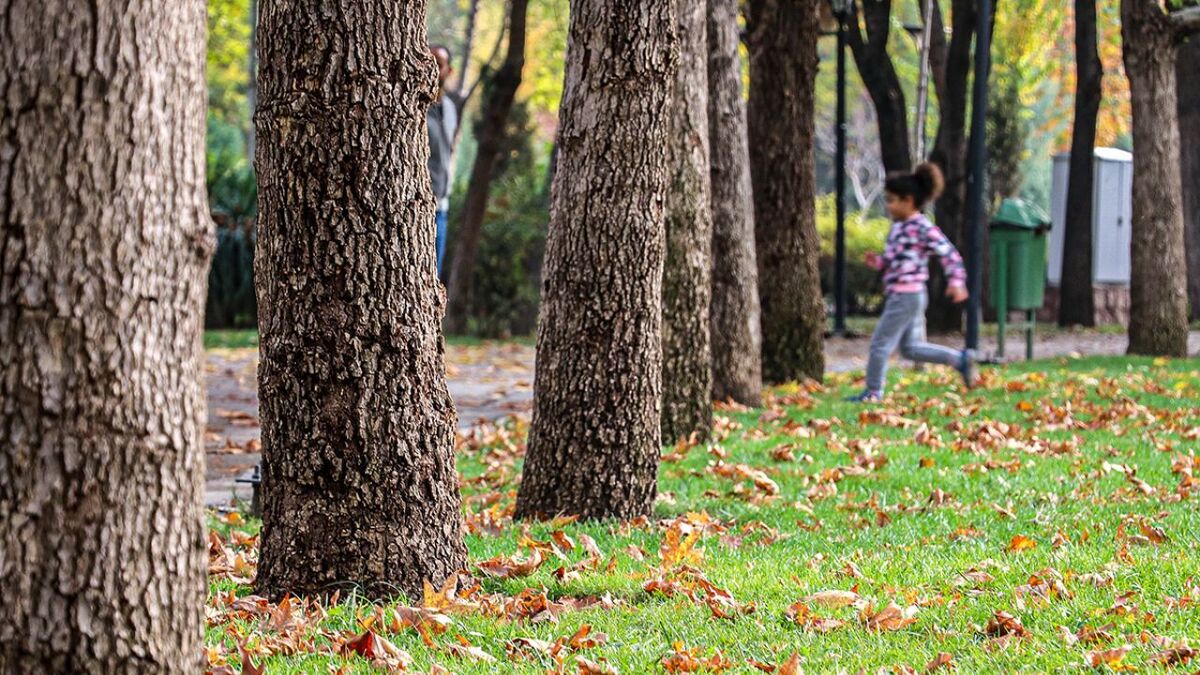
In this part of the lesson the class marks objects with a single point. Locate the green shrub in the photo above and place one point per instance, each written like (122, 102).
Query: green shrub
(864, 293)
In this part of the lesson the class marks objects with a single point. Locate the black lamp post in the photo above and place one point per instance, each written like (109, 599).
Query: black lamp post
(842, 11)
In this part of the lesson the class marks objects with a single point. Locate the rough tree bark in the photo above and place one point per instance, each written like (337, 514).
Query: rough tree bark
(1189, 157)
(1158, 279)
(783, 68)
(1077, 306)
(105, 238)
(879, 76)
(500, 90)
(594, 442)
(951, 64)
(734, 320)
(687, 281)
(359, 487)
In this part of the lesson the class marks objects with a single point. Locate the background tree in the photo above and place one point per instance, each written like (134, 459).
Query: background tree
(105, 238)
(1158, 280)
(687, 280)
(359, 486)
(950, 64)
(594, 441)
(783, 66)
(735, 332)
(878, 74)
(500, 90)
(1189, 157)
(1077, 303)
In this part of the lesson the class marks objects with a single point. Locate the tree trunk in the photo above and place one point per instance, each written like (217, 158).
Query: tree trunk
(950, 150)
(734, 320)
(594, 441)
(879, 76)
(1158, 280)
(783, 68)
(1189, 131)
(500, 92)
(105, 237)
(687, 281)
(1077, 305)
(359, 487)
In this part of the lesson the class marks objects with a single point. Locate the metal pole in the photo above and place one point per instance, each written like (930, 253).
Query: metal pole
(977, 161)
(839, 267)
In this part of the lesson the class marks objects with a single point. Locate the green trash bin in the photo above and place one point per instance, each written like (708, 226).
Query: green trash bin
(1018, 265)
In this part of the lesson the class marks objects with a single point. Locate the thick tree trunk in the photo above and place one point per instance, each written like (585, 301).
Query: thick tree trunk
(879, 76)
(950, 149)
(783, 68)
(105, 238)
(594, 441)
(687, 280)
(359, 487)
(1187, 67)
(500, 91)
(1158, 283)
(735, 333)
(1077, 306)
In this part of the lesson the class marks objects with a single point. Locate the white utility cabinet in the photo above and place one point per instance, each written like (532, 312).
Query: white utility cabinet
(1112, 197)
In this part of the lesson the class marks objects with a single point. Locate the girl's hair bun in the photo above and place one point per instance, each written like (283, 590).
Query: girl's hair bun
(929, 176)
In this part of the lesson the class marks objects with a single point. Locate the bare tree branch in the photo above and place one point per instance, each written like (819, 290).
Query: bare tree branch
(1185, 21)
(490, 60)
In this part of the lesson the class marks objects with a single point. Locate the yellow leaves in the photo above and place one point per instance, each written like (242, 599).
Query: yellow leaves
(1020, 543)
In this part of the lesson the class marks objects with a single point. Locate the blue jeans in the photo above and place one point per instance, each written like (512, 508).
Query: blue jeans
(442, 219)
(903, 324)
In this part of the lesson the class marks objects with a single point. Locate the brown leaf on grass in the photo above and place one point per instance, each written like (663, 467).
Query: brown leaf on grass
(791, 666)
(248, 667)
(891, 617)
(378, 650)
(1020, 543)
(587, 667)
(518, 648)
(834, 598)
(585, 639)
(1178, 655)
(469, 652)
(589, 546)
(1003, 624)
(1111, 658)
(942, 660)
(800, 614)
(512, 567)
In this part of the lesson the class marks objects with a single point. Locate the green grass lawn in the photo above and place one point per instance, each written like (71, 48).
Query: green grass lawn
(1045, 494)
(248, 338)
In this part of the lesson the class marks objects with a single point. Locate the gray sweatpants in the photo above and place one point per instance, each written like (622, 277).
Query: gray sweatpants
(903, 324)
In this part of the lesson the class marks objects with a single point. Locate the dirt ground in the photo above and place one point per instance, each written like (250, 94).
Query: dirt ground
(493, 380)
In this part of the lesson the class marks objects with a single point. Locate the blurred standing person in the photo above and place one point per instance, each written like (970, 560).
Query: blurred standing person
(442, 120)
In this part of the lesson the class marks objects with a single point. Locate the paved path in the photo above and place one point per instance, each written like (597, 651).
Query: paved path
(493, 380)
